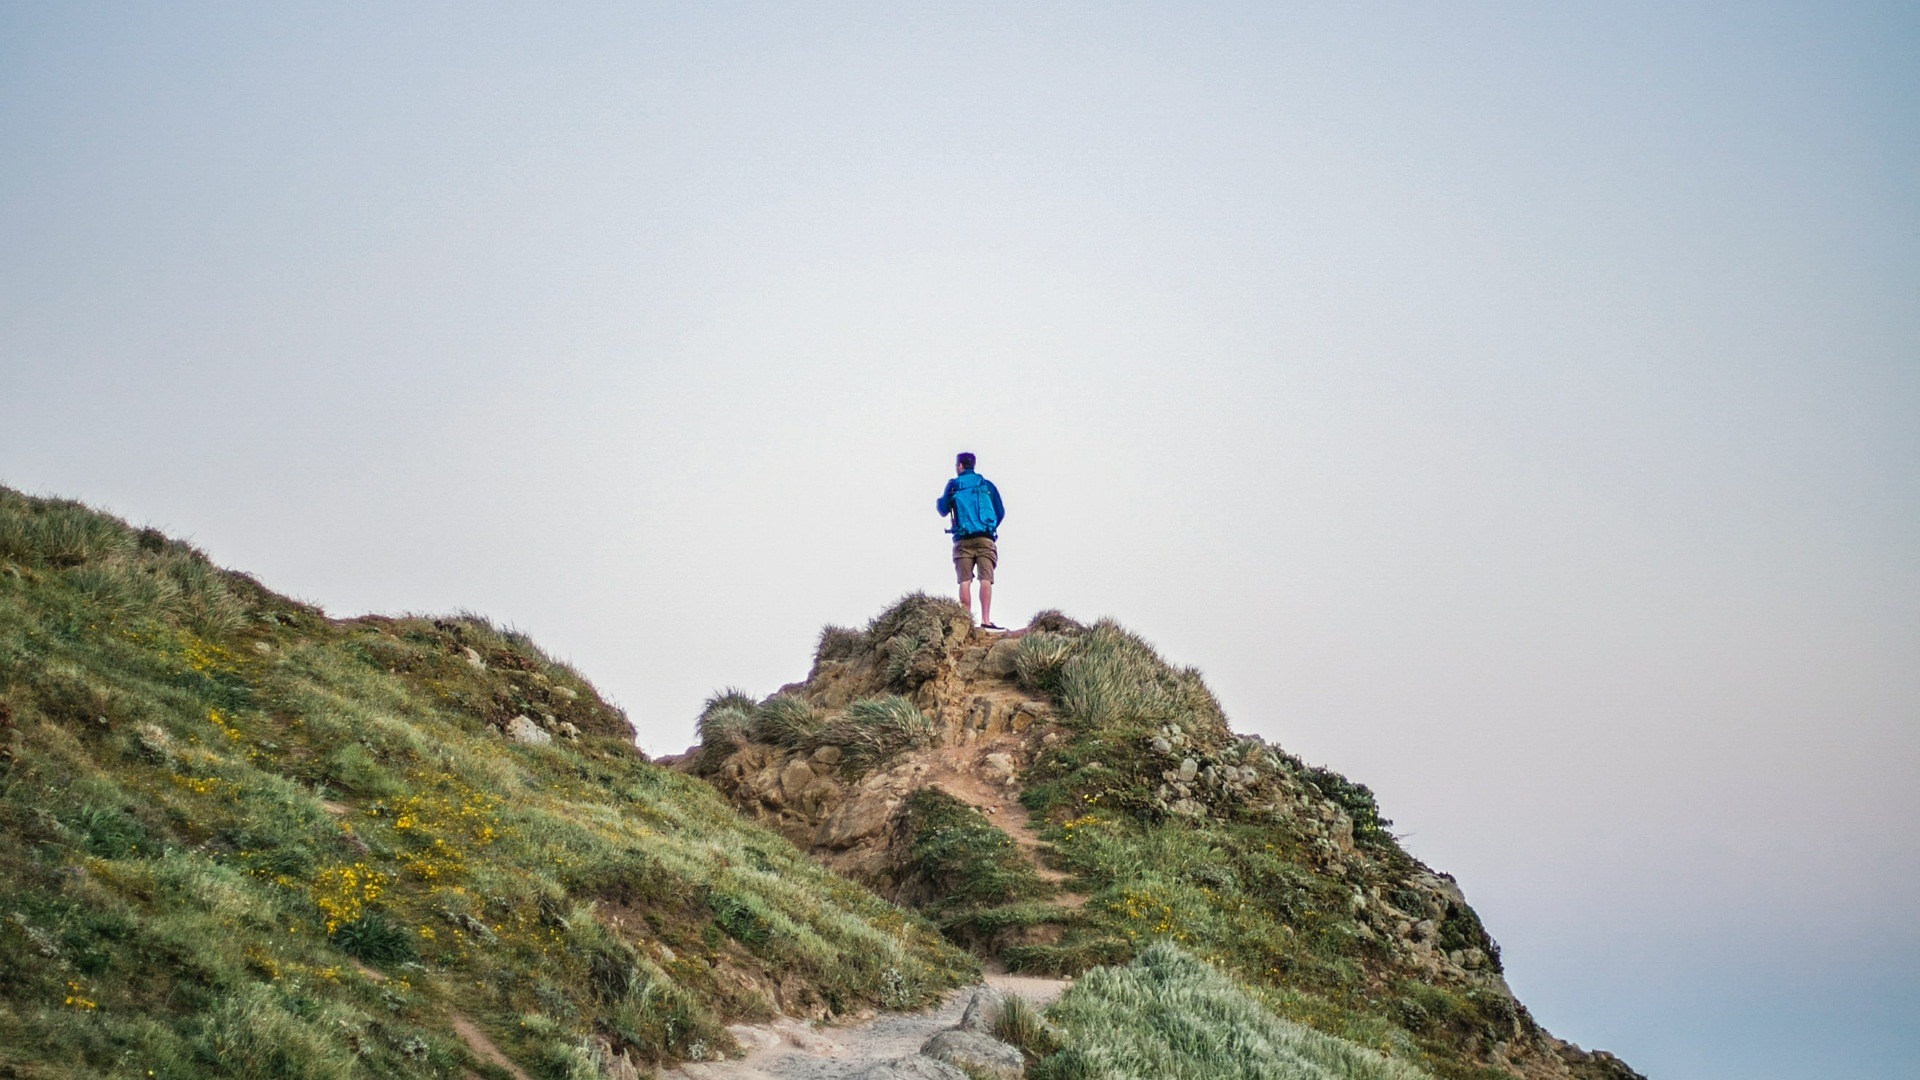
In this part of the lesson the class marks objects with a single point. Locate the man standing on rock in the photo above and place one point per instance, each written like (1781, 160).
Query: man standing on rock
(974, 504)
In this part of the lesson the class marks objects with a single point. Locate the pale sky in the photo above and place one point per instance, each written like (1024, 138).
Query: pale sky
(1515, 407)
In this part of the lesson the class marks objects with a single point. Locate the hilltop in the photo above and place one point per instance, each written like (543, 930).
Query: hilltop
(239, 838)
(1062, 799)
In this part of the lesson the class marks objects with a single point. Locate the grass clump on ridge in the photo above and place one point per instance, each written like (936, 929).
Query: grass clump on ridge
(240, 839)
(868, 733)
(1169, 1016)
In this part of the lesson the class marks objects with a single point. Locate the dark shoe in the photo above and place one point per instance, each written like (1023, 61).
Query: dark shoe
(990, 626)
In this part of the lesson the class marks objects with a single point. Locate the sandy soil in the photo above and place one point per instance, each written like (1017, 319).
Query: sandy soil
(798, 1050)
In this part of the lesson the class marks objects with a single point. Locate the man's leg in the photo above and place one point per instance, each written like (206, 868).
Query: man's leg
(966, 596)
(986, 602)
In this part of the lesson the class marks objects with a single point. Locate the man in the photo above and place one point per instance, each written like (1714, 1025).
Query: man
(975, 506)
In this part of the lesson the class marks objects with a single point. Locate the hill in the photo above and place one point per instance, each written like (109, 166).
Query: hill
(1063, 799)
(239, 838)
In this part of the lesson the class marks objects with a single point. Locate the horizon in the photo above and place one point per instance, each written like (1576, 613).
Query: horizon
(1510, 409)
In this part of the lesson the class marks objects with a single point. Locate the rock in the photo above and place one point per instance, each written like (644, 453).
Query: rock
(523, 729)
(983, 1012)
(1425, 929)
(1189, 768)
(858, 818)
(1187, 808)
(999, 661)
(976, 1054)
(612, 1064)
(263, 648)
(797, 777)
(998, 769)
(914, 1067)
(751, 1037)
(827, 755)
(569, 730)
(1161, 745)
(473, 658)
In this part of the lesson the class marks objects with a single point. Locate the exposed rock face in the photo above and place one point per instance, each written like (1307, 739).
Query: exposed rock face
(975, 1053)
(986, 730)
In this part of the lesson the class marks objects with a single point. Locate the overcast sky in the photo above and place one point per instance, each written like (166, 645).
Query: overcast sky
(1515, 407)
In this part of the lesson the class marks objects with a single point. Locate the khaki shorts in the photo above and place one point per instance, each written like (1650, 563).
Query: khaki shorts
(975, 553)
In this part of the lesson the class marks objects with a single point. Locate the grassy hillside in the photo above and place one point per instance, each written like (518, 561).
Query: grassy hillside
(238, 838)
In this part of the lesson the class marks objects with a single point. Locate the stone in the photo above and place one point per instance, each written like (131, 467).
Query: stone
(858, 818)
(1189, 768)
(473, 658)
(796, 778)
(912, 1067)
(571, 731)
(522, 729)
(827, 755)
(983, 1011)
(1187, 808)
(976, 1054)
(1161, 745)
(999, 661)
(752, 1037)
(263, 648)
(998, 769)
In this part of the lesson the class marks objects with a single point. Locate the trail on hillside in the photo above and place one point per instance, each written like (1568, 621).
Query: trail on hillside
(788, 1049)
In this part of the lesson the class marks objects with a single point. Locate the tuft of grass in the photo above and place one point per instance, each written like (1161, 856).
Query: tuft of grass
(1022, 1026)
(786, 720)
(1171, 1016)
(873, 731)
(375, 938)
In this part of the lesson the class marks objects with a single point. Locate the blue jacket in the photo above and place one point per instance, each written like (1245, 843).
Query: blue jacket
(945, 506)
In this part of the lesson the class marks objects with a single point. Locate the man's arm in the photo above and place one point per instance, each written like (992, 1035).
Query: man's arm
(945, 504)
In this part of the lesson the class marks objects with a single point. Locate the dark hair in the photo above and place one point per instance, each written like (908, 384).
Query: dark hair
(965, 460)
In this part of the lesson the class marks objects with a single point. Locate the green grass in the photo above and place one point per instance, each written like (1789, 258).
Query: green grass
(957, 862)
(1169, 1016)
(238, 838)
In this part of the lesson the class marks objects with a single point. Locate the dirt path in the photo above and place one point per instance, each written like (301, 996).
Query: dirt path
(797, 1050)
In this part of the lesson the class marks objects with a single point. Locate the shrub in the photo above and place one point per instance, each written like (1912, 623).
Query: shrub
(375, 938)
(1358, 802)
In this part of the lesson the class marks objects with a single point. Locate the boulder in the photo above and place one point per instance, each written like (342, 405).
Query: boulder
(857, 819)
(522, 729)
(999, 661)
(977, 1054)
(912, 1067)
(983, 1012)
(999, 769)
